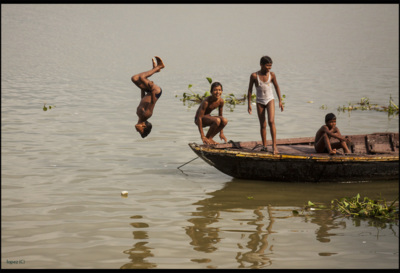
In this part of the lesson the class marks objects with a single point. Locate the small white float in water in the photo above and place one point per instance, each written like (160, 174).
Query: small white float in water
(124, 193)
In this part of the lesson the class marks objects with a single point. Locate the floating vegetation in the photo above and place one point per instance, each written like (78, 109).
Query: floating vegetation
(366, 208)
(365, 104)
(310, 206)
(283, 99)
(323, 107)
(358, 208)
(230, 100)
(45, 108)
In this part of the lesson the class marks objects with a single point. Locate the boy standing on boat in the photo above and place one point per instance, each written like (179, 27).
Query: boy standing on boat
(322, 142)
(262, 79)
(204, 119)
(150, 93)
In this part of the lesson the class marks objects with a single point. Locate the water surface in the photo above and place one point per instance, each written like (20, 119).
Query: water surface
(63, 169)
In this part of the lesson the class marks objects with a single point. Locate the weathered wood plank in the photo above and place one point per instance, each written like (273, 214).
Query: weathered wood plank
(382, 143)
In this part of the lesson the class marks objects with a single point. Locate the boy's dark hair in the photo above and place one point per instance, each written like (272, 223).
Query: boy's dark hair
(329, 117)
(216, 84)
(147, 129)
(265, 60)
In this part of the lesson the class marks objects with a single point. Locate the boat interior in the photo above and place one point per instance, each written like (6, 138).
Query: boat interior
(368, 144)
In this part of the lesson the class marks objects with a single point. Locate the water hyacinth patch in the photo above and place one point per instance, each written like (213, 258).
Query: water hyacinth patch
(357, 207)
(230, 100)
(365, 105)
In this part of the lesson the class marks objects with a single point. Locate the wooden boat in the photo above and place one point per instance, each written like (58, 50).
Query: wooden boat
(374, 157)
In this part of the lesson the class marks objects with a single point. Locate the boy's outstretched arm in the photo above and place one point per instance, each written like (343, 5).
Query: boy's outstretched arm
(221, 107)
(278, 90)
(202, 109)
(220, 113)
(222, 136)
(249, 93)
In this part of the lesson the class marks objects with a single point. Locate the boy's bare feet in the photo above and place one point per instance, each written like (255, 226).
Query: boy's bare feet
(275, 150)
(333, 152)
(209, 141)
(160, 62)
(154, 63)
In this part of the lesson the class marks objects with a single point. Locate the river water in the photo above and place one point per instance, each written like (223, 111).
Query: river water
(63, 170)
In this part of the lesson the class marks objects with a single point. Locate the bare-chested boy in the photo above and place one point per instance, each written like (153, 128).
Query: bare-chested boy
(204, 119)
(322, 142)
(150, 93)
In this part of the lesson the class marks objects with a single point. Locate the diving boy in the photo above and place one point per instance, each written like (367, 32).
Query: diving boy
(204, 119)
(322, 143)
(150, 93)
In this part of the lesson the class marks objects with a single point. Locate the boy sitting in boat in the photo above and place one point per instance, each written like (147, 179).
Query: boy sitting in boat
(150, 93)
(204, 119)
(322, 142)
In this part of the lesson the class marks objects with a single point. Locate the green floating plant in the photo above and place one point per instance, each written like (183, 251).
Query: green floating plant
(365, 104)
(230, 100)
(45, 108)
(309, 207)
(357, 207)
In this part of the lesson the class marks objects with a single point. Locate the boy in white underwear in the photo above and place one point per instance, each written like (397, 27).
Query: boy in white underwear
(150, 93)
(262, 79)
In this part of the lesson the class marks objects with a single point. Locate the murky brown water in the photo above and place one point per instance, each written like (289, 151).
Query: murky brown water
(63, 170)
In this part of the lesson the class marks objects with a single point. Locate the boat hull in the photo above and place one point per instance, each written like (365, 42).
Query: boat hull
(299, 168)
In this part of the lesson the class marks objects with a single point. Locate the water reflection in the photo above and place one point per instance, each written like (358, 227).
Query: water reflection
(327, 222)
(140, 252)
(205, 237)
(258, 242)
(264, 204)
